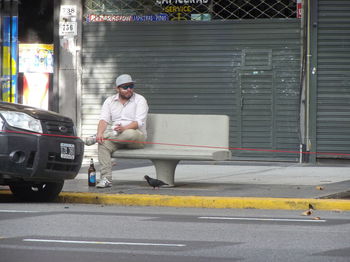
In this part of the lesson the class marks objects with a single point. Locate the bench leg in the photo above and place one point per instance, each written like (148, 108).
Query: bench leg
(165, 170)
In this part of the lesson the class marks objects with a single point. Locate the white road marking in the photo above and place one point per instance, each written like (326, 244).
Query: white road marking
(17, 211)
(102, 242)
(265, 219)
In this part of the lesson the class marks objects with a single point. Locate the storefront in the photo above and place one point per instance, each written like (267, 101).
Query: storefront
(280, 73)
(201, 57)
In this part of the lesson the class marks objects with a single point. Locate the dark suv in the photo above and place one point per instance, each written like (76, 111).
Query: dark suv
(38, 151)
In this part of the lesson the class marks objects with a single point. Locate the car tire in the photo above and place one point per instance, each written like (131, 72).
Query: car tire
(36, 192)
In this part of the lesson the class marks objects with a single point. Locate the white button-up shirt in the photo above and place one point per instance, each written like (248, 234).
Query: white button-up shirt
(136, 109)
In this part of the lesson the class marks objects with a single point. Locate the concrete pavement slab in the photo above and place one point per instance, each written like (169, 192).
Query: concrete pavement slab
(222, 185)
(279, 175)
(251, 180)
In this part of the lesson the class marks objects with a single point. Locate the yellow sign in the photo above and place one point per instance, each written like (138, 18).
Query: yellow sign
(178, 9)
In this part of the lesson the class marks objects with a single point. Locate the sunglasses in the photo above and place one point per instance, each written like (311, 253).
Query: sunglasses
(126, 87)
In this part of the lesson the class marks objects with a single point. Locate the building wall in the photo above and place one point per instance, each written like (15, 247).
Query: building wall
(205, 69)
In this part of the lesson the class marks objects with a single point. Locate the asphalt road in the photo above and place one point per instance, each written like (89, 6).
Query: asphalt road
(62, 232)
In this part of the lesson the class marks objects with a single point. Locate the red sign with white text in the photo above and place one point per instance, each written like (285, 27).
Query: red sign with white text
(299, 8)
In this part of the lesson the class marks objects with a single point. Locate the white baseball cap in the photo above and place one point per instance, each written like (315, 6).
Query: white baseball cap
(123, 79)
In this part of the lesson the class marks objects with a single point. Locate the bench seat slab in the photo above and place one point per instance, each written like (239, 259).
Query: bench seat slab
(175, 154)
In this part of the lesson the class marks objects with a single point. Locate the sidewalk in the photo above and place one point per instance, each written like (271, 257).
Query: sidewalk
(267, 185)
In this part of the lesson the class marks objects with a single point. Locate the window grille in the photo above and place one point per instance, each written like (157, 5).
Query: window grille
(194, 9)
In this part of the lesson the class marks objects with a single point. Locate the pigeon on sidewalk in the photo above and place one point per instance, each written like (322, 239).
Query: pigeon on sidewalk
(155, 182)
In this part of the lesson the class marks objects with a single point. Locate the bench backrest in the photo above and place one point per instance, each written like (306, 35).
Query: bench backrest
(185, 129)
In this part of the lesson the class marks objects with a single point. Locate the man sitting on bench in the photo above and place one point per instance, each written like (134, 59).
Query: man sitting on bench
(127, 113)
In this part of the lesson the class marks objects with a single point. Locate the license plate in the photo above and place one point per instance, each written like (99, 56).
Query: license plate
(67, 151)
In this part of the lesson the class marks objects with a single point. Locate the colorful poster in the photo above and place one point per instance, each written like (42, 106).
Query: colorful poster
(9, 59)
(36, 58)
(36, 89)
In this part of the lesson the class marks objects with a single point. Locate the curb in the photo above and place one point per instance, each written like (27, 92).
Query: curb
(204, 201)
(199, 201)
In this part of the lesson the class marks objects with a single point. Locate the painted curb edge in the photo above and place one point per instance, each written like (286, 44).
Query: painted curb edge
(204, 201)
(200, 201)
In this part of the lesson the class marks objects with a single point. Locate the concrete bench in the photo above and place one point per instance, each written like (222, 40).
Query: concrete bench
(175, 137)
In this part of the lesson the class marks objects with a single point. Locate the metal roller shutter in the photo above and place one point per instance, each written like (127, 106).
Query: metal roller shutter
(248, 70)
(333, 78)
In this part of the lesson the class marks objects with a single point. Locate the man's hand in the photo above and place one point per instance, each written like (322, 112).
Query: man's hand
(102, 125)
(99, 138)
(119, 128)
